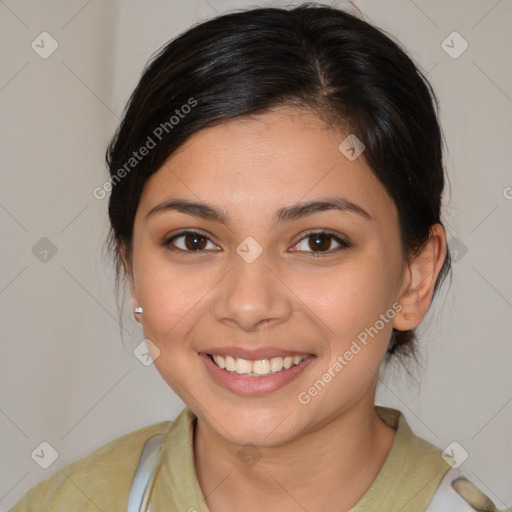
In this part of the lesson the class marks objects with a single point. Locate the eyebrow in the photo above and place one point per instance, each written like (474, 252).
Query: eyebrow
(286, 214)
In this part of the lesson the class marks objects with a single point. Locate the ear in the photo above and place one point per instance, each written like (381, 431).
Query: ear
(128, 269)
(420, 279)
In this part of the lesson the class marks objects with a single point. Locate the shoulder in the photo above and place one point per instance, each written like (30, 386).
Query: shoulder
(98, 481)
(418, 475)
(456, 492)
(411, 451)
(426, 466)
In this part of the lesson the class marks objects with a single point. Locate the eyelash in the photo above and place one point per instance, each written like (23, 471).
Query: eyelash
(312, 254)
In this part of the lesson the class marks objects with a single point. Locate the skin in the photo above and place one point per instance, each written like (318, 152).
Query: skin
(249, 168)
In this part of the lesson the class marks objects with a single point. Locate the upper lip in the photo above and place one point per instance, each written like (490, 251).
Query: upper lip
(252, 354)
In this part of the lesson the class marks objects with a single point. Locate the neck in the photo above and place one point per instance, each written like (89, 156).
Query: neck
(335, 463)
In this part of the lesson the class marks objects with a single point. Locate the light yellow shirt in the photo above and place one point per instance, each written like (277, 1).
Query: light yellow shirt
(101, 481)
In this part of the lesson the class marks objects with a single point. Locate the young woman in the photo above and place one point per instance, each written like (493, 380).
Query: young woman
(276, 187)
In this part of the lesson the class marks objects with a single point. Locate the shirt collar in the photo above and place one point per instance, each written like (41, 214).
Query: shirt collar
(177, 486)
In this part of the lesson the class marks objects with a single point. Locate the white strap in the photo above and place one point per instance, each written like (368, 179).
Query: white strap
(447, 499)
(139, 492)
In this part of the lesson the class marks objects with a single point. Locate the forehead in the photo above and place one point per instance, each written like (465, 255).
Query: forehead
(259, 163)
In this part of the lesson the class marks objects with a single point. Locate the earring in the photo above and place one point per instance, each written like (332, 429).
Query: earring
(137, 310)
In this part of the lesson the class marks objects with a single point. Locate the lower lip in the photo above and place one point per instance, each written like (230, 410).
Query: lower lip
(247, 385)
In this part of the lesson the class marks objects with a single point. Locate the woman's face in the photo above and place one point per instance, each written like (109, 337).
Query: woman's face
(266, 284)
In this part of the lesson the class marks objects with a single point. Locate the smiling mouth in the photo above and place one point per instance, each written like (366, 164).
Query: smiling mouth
(258, 368)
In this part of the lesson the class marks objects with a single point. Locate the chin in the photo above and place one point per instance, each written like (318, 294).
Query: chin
(257, 426)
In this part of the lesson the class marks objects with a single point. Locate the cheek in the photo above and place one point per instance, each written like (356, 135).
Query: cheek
(351, 296)
(172, 301)
(351, 303)
(171, 295)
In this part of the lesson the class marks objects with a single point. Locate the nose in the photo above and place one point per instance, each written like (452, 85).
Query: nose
(252, 296)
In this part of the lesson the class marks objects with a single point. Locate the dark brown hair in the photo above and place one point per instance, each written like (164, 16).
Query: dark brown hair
(345, 70)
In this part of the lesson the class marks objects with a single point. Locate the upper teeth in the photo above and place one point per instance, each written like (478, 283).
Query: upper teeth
(259, 367)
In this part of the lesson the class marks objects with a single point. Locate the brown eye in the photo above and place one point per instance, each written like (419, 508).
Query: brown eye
(194, 242)
(188, 241)
(321, 241)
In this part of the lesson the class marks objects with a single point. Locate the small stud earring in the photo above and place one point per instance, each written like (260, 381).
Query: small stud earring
(137, 310)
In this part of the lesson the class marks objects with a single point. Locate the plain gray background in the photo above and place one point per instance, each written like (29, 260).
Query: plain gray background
(70, 379)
